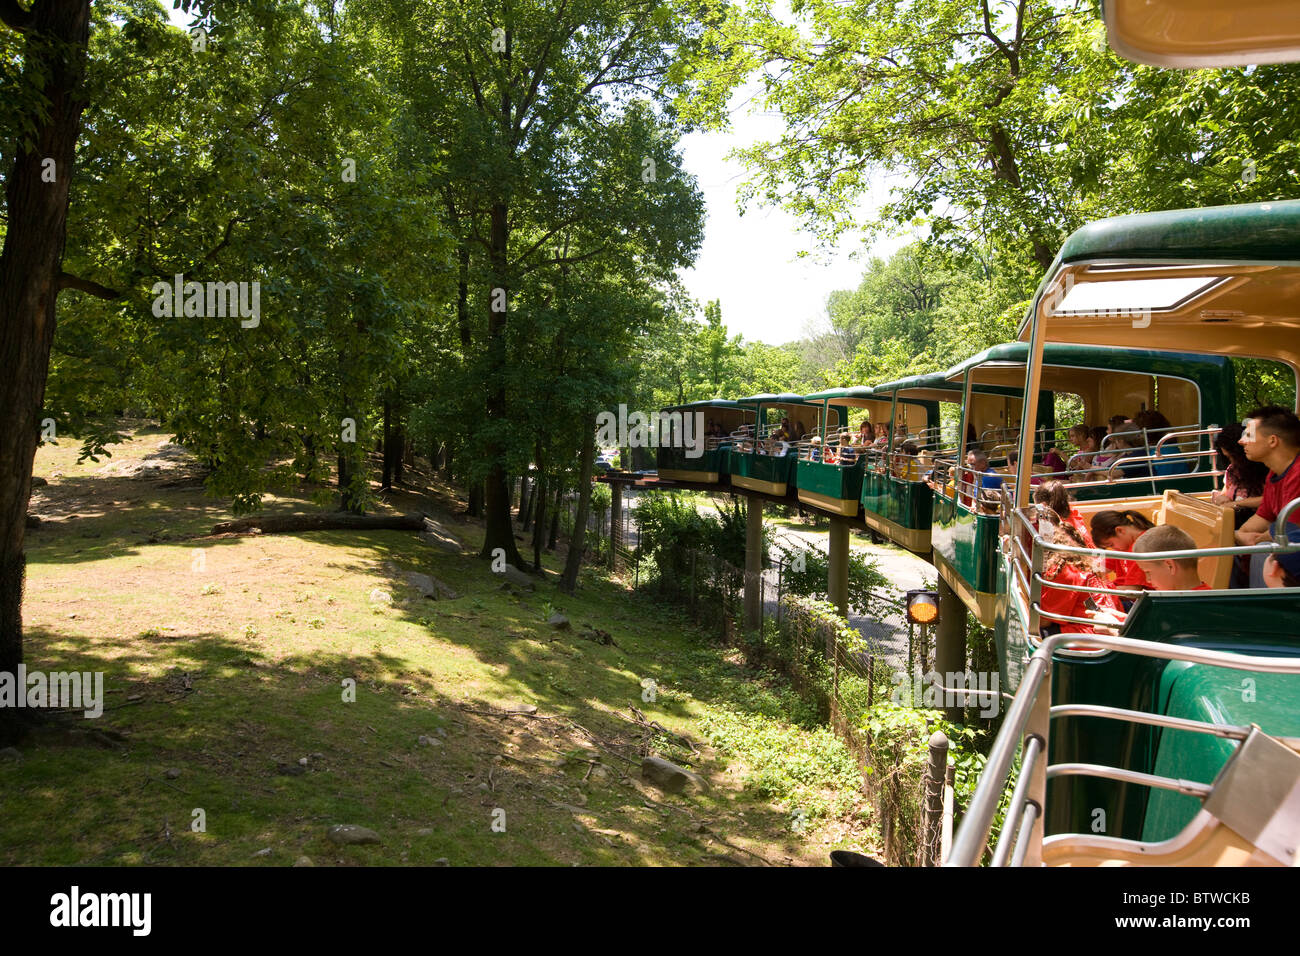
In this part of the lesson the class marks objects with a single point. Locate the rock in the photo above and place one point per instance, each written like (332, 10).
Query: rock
(424, 831)
(317, 756)
(442, 732)
(483, 787)
(442, 861)
(264, 852)
(380, 596)
(517, 708)
(599, 773)
(303, 861)
(432, 527)
(426, 741)
(349, 834)
(558, 621)
(430, 587)
(38, 482)
(10, 753)
(438, 541)
(302, 761)
(669, 777)
(171, 773)
(517, 577)
(291, 769)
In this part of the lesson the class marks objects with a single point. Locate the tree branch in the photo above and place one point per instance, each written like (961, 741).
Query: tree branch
(68, 281)
(15, 17)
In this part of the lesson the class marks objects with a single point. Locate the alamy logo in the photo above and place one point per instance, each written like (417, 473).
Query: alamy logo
(657, 429)
(103, 909)
(936, 691)
(73, 690)
(209, 300)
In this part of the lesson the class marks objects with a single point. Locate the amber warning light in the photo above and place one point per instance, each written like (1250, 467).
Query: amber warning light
(923, 607)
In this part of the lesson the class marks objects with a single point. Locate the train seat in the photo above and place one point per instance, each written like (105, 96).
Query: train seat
(1209, 525)
(1251, 817)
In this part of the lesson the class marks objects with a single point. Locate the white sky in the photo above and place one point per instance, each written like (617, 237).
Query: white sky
(750, 263)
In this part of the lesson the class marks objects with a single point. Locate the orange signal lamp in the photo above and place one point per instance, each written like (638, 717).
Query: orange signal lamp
(923, 607)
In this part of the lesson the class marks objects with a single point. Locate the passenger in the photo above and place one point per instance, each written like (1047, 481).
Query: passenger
(848, 454)
(1155, 426)
(800, 433)
(1078, 570)
(882, 435)
(1054, 461)
(979, 477)
(1036, 471)
(1118, 423)
(1128, 445)
(1087, 443)
(1117, 531)
(906, 465)
(1283, 570)
(864, 433)
(1272, 437)
(1169, 574)
(815, 448)
(1243, 479)
(1055, 496)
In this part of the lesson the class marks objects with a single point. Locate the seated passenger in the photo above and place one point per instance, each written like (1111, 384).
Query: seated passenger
(1117, 531)
(1054, 496)
(1169, 574)
(1243, 479)
(1272, 437)
(1053, 461)
(848, 454)
(1036, 471)
(1128, 445)
(905, 462)
(815, 448)
(1283, 570)
(1080, 571)
(882, 435)
(864, 433)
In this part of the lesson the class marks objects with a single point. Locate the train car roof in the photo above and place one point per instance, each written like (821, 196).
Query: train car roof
(767, 398)
(706, 403)
(1203, 33)
(1218, 280)
(850, 392)
(1151, 361)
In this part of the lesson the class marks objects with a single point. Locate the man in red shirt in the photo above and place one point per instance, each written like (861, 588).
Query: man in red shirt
(1272, 436)
(1169, 574)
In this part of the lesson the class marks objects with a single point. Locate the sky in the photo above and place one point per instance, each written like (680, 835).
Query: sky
(750, 262)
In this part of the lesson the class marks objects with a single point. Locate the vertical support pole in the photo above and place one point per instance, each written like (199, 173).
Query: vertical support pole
(837, 587)
(950, 644)
(615, 522)
(936, 773)
(753, 562)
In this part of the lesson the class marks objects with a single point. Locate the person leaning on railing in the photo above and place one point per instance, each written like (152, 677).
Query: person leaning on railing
(1118, 531)
(1169, 574)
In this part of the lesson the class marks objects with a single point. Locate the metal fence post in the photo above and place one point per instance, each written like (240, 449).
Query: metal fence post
(936, 773)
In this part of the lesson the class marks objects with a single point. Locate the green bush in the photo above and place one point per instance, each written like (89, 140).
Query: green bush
(870, 592)
(671, 528)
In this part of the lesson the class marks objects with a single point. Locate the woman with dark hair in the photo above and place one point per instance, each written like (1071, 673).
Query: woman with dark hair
(1078, 570)
(1116, 531)
(1243, 479)
(1055, 496)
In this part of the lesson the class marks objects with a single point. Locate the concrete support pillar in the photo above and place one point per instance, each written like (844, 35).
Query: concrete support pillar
(950, 642)
(837, 584)
(615, 522)
(753, 563)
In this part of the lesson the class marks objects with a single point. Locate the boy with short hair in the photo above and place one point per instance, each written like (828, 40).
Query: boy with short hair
(1168, 574)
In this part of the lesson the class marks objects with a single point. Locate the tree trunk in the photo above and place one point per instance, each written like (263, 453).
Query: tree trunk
(31, 262)
(539, 521)
(500, 532)
(524, 500)
(554, 536)
(474, 508)
(578, 541)
(386, 482)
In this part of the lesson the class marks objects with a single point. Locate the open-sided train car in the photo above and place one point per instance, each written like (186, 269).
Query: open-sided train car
(764, 458)
(850, 475)
(713, 466)
(1191, 390)
(1128, 732)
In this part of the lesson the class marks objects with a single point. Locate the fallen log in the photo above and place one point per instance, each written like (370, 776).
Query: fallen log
(335, 521)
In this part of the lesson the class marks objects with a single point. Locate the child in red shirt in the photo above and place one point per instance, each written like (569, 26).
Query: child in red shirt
(1117, 531)
(1170, 574)
(1078, 570)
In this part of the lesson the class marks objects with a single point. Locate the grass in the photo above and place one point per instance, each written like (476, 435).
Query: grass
(229, 659)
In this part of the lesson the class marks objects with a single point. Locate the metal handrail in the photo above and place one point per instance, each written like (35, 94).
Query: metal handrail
(971, 839)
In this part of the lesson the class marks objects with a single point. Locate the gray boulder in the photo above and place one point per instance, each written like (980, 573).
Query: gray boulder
(669, 777)
(349, 834)
(558, 621)
(518, 578)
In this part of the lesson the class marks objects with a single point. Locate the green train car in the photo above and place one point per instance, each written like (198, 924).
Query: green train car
(759, 460)
(713, 466)
(843, 486)
(1138, 747)
(1191, 390)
